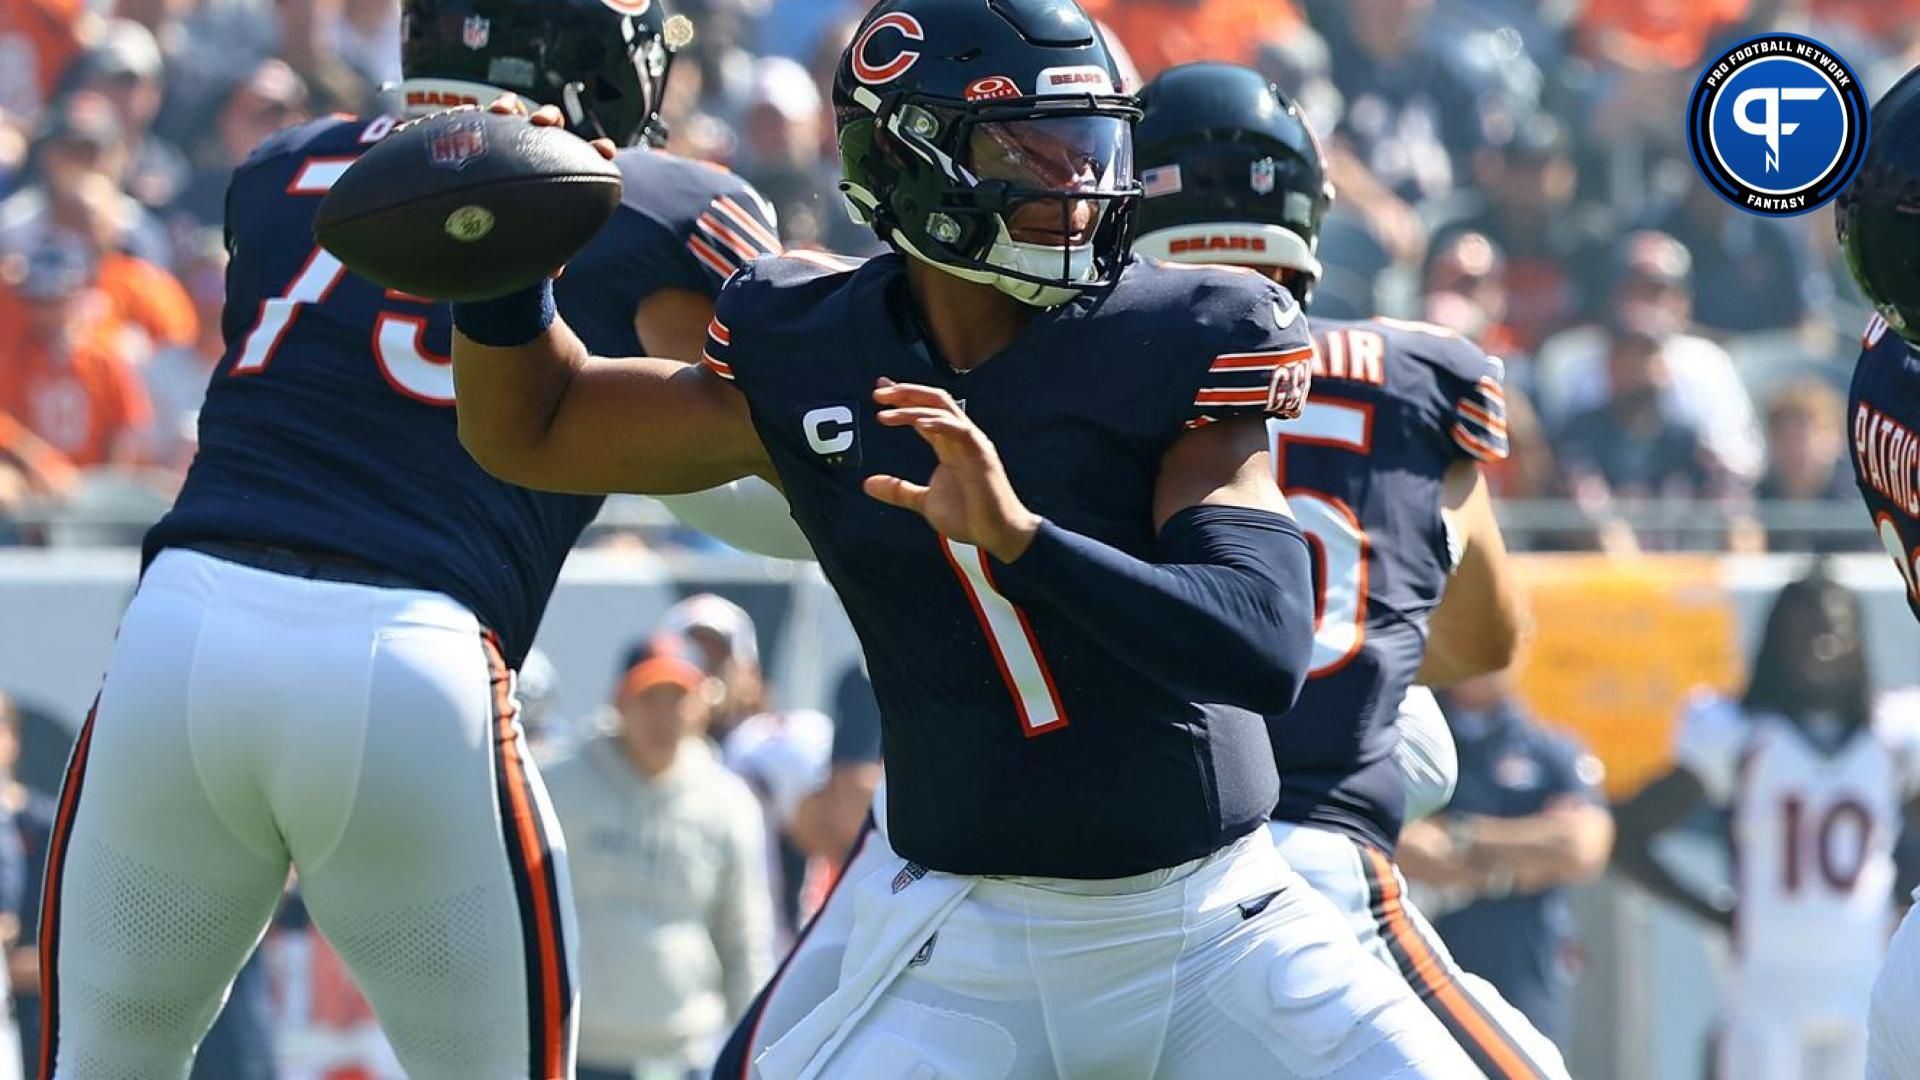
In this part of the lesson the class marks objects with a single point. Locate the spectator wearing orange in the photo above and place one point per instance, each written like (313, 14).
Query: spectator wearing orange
(59, 376)
(1159, 34)
(149, 308)
(1875, 19)
(1638, 35)
(37, 40)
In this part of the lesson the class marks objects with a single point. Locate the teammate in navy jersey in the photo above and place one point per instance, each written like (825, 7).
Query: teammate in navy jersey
(1383, 470)
(315, 669)
(1880, 235)
(1070, 673)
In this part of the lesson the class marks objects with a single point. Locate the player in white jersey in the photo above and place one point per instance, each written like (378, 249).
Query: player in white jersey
(1818, 779)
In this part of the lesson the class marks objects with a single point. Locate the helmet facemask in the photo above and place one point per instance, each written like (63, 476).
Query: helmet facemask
(1034, 196)
(603, 65)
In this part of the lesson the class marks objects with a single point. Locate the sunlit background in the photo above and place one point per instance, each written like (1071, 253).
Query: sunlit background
(1515, 171)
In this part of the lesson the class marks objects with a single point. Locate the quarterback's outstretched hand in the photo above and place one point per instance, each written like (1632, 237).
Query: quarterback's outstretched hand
(544, 116)
(968, 496)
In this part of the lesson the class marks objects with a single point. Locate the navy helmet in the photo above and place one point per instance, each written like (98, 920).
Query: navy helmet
(992, 139)
(1879, 214)
(1232, 173)
(603, 62)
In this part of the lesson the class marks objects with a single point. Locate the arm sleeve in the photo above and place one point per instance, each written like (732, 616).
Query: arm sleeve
(1226, 616)
(741, 925)
(748, 514)
(1256, 365)
(1429, 762)
(1712, 737)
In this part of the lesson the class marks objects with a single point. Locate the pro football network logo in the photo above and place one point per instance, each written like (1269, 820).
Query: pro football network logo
(1778, 124)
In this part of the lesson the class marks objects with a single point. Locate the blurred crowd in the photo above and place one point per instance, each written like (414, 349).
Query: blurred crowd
(1513, 170)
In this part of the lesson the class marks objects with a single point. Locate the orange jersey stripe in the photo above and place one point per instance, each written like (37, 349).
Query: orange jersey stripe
(1222, 396)
(731, 239)
(718, 367)
(1446, 994)
(1474, 446)
(747, 224)
(51, 900)
(1242, 361)
(1482, 417)
(705, 253)
(533, 851)
(719, 332)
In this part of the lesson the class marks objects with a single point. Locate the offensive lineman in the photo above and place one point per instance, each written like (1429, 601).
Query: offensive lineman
(1085, 885)
(1383, 471)
(315, 669)
(1880, 234)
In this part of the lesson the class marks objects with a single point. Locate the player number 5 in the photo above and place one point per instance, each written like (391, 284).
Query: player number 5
(1340, 609)
(1010, 638)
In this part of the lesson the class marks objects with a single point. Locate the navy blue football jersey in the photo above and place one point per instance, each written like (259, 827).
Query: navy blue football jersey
(1884, 407)
(1014, 743)
(1394, 405)
(682, 224)
(328, 424)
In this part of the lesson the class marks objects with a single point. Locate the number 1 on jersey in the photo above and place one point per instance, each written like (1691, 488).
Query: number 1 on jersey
(1011, 641)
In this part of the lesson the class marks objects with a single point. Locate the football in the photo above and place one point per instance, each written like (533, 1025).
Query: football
(467, 205)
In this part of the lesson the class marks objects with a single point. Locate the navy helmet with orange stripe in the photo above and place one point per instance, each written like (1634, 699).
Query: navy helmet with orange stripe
(993, 140)
(604, 63)
(1232, 173)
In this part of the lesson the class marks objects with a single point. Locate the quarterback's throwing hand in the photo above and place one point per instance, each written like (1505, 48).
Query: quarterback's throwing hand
(544, 116)
(968, 497)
